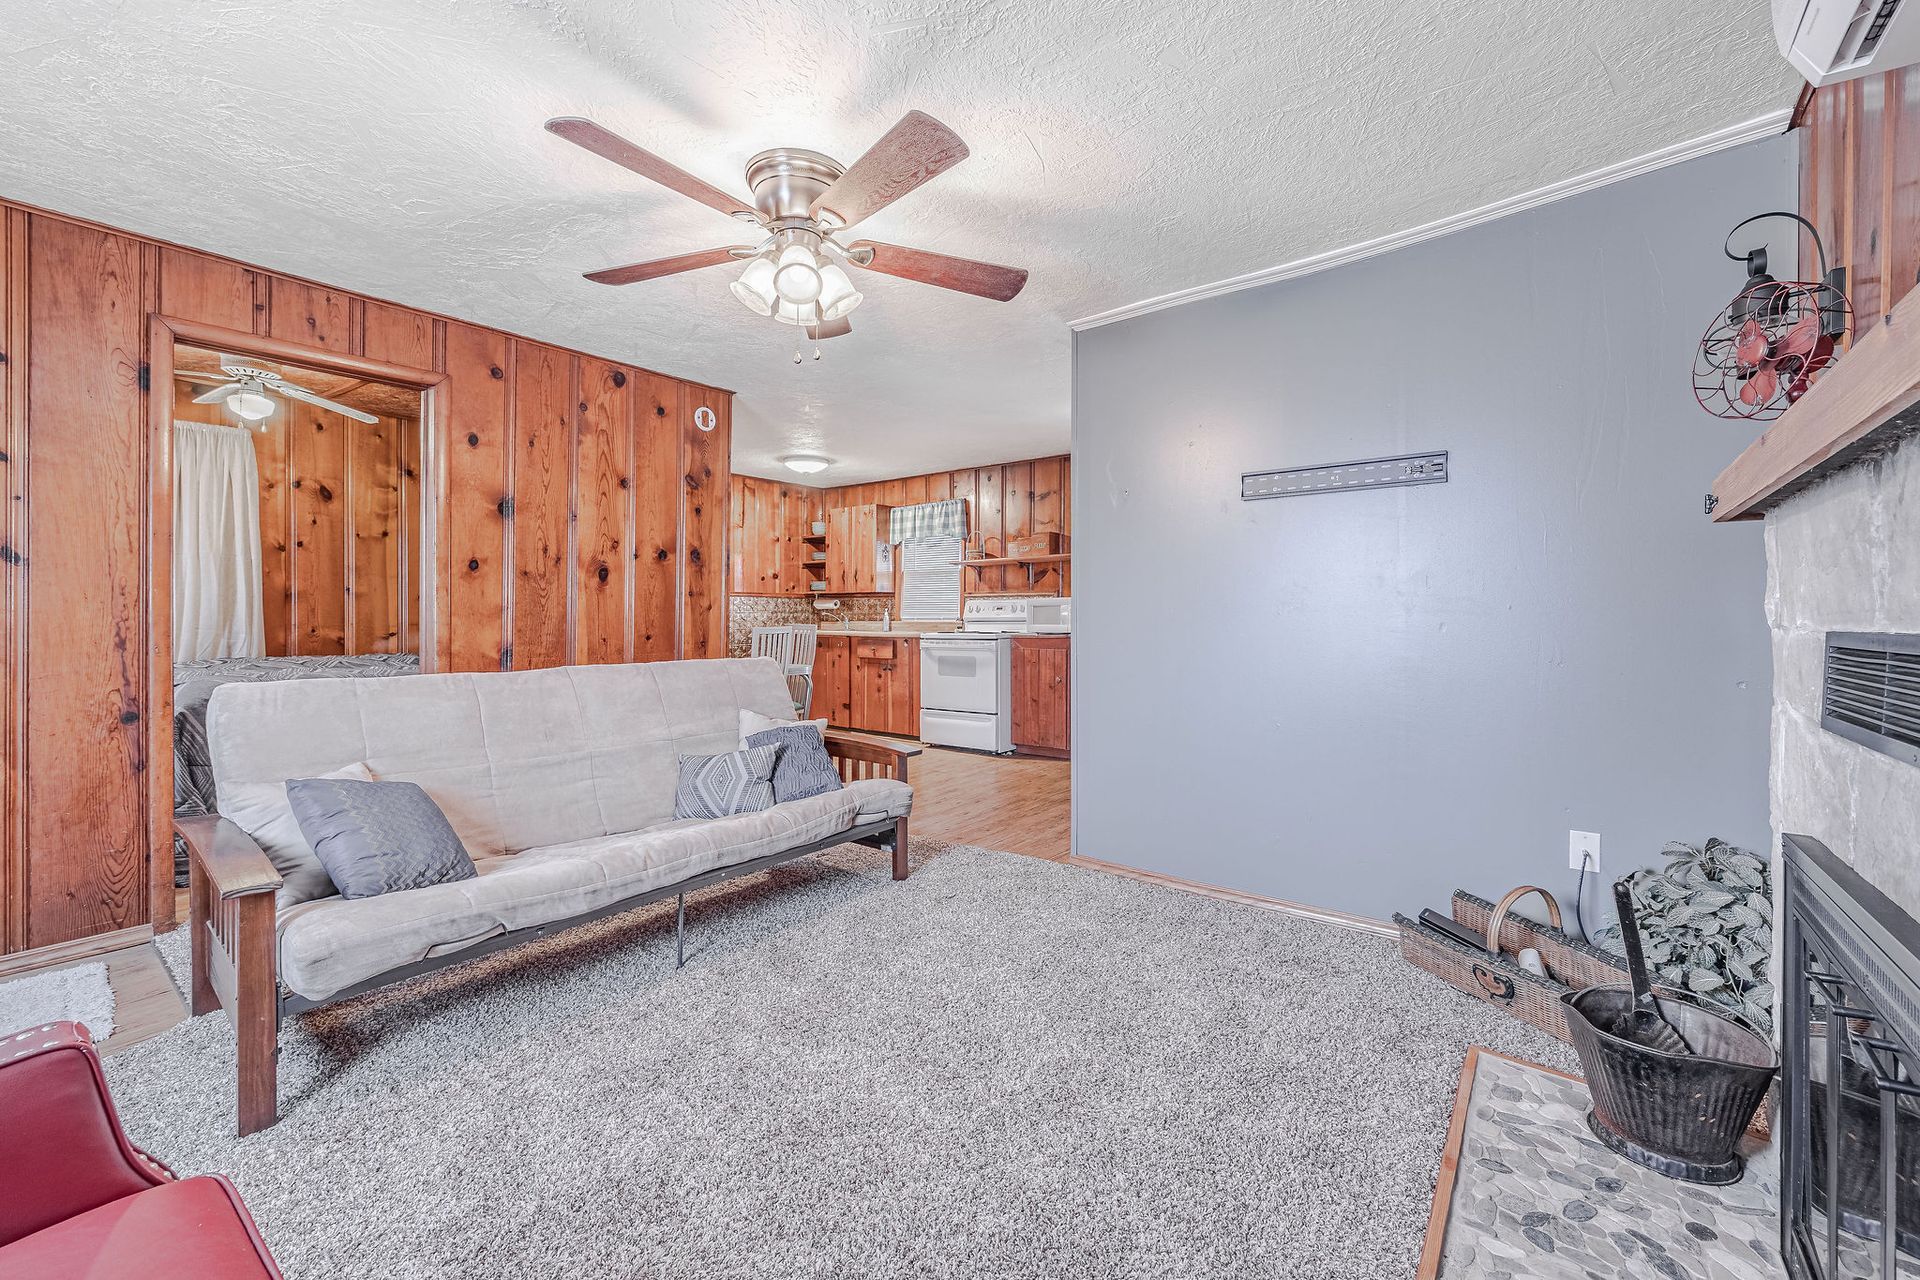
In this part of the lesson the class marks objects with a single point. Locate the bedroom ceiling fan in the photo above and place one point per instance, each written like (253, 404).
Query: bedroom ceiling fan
(249, 391)
(805, 201)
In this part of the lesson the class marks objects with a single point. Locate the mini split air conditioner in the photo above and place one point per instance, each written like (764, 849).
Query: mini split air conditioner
(1833, 40)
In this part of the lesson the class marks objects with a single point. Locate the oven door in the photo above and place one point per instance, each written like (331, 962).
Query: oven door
(960, 675)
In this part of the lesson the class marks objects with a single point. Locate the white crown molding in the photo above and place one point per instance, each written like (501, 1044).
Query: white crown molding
(1765, 126)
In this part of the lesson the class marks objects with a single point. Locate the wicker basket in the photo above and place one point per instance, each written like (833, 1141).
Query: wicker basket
(1494, 975)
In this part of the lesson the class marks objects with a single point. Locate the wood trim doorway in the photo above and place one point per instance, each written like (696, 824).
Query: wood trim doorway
(163, 332)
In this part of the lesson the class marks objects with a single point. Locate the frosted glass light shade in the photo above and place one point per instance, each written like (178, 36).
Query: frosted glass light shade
(837, 294)
(755, 287)
(800, 313)
(806, 463)
(797, 276)
(251, 405)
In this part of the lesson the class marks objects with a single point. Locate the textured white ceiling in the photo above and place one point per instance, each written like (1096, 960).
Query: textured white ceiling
(1121, 150)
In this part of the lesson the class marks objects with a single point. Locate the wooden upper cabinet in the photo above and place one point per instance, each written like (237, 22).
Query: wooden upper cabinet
(1042, 694)
(859, 557)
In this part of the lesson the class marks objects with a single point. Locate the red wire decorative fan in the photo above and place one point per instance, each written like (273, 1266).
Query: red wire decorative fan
(1765, 350)
(1773, 341)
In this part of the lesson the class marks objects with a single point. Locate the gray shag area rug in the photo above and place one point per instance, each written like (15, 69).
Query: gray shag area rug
(1001, 1067)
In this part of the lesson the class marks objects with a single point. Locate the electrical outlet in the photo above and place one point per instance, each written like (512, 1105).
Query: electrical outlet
(1583, 848)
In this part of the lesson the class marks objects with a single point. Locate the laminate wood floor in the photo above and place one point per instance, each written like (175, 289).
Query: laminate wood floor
(1020, 804)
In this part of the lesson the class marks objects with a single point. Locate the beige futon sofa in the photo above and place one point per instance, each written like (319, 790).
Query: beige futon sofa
(559, 782)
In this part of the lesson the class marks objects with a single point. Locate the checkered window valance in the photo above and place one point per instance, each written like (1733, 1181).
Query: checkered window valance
(929, 520)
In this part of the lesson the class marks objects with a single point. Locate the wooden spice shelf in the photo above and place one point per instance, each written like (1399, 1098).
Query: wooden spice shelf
(1870, 397)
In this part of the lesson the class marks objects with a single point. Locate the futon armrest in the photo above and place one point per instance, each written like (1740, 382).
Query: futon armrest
(234, 865)
(863, 757)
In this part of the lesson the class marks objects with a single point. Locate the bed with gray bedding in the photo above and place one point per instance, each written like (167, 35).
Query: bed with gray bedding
(193, 685)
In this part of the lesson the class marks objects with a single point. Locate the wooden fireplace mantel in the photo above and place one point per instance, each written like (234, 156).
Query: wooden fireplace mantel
(1869, 398)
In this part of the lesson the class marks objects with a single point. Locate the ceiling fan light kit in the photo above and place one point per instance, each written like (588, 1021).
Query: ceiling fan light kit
(250, 405)
(250, 391)
(797, 274)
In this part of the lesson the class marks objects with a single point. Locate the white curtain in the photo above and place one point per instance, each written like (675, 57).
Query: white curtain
(216, 544)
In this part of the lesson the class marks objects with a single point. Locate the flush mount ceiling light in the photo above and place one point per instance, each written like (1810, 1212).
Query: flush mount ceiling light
(802, 200)
(806, 463)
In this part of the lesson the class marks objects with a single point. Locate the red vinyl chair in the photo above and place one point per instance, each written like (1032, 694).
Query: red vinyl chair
(80, 1202)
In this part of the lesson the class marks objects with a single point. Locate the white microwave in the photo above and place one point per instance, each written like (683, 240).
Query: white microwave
(1050, 617)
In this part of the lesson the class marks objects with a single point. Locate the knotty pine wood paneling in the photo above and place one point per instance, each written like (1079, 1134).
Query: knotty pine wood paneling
(14, 550)
(85, 564)
(703, 527)
(210, 290)
(309, 314)
(544, 407)
(80, 812)
(603, 515)
(473, 535)
(1860, 184)
(660, 497)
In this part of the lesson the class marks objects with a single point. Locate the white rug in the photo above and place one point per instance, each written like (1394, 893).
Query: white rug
(79, 993)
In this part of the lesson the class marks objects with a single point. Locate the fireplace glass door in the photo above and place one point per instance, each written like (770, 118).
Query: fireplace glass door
(1852, 1152)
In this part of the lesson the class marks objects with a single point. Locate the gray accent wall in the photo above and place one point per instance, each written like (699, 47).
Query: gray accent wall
(1361, 701)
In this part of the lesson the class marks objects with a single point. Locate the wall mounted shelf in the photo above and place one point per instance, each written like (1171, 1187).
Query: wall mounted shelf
(1046, 563)
(1868, 400)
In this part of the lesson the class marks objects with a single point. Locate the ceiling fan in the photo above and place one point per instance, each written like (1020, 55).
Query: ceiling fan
(249, 391)
(804, 201)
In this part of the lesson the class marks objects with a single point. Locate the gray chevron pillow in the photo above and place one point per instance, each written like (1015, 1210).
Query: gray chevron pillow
(720, 786)
(804, 768)
(377, 837)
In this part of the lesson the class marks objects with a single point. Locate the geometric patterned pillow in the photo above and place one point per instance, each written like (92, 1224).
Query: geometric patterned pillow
(720, 786)
(804, 768)
(377, 837)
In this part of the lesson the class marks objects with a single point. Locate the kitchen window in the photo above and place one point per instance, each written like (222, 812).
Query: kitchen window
(930, 591)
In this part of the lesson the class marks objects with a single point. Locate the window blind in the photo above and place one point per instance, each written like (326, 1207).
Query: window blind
(931, 589)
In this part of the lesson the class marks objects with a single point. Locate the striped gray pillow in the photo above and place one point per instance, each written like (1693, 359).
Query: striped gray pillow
(804, 768)
(721, 786)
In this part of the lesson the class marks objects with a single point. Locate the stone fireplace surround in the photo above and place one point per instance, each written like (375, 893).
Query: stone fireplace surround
(1844, 555)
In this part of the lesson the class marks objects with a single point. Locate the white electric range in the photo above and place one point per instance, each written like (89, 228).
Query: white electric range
(966, 678)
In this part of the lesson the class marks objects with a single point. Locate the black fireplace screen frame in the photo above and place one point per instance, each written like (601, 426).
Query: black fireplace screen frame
(1847, 944)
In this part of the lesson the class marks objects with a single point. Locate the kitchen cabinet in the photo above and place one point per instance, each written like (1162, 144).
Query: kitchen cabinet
(1042, 688)
(770, 540)
(832, 676)
(886, 684)
(859, 555)
(868, 683)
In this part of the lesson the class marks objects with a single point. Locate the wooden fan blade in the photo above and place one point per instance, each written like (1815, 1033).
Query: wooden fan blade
(914, 151)
(611, 146)
(964, 275)
(662, 267)
(830, 329)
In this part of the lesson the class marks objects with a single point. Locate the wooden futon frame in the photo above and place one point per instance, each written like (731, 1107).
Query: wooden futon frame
(232, 921)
